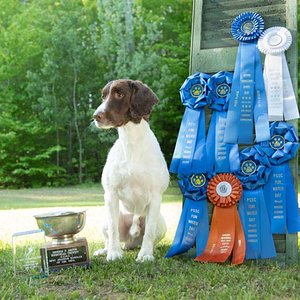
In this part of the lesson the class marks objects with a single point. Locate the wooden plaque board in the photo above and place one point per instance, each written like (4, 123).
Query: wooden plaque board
(213, 49)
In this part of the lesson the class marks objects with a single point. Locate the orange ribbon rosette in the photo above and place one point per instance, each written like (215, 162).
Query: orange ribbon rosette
(226, 232)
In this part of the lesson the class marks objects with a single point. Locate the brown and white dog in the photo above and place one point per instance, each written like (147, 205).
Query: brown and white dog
(135, 174)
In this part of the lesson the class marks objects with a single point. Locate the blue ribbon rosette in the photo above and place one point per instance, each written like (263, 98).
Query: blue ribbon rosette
(193, 224)
(279, 190)
(225, 157)
(190, 151)
(254, 173)
(248, 96)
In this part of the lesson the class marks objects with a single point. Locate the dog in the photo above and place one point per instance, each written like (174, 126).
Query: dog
(135, 174)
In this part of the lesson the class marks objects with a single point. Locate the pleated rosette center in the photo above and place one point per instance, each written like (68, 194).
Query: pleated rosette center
(224, 190)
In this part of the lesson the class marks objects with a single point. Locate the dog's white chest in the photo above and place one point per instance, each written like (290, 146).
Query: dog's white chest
(132, 184)
(133, 196)
(135, 169)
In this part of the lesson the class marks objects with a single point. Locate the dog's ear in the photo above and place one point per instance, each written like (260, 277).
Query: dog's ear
(105, 90)
(142, 101)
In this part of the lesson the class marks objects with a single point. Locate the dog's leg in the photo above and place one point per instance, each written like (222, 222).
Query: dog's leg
(150, 236)
(161, 229)
(114, 250)
(105, 235)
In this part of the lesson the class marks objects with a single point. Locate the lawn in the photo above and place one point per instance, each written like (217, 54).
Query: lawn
(83, 195)
(176, 278)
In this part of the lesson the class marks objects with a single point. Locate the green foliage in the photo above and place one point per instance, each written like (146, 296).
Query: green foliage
(174, 49)
(54, 58)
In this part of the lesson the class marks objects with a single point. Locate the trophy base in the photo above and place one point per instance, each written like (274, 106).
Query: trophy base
(67, 255)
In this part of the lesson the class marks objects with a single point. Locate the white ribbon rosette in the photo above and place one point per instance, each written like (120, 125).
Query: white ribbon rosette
(282, 103)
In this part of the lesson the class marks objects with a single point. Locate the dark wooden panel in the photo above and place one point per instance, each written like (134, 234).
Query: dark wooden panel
(280, 246)
(279, 237)
(280, 243)
(218, 16)
(238, 4)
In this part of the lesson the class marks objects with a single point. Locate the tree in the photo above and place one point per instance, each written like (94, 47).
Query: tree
(54, 58)
(24, 152)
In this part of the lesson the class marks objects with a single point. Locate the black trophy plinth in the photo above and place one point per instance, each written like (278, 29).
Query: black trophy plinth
(68, 255)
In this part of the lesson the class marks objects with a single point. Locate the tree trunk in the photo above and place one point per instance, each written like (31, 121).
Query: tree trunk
(129, 26)
(57, 151)
(70, 148)
(57, 130)
(76, 123)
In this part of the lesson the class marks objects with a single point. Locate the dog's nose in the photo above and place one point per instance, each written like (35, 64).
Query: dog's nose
(98, 116)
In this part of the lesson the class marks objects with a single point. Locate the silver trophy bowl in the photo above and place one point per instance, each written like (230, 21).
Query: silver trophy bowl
(61, 226)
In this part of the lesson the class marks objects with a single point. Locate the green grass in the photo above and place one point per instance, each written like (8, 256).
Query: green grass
(176, 278)
(81, 195)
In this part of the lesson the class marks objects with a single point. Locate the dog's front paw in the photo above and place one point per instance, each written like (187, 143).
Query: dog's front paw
(114, 254)
(100, 252)
(142, 257)
(145, 258)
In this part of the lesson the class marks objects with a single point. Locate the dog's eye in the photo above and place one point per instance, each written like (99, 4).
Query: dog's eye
(119, 95)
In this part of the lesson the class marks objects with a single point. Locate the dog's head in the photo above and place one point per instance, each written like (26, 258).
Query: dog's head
(124, 101)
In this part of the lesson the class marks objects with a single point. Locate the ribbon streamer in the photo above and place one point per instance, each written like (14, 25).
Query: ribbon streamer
(193, 224)
(280, 193)
(247, 99)
(282, 103)
(190, 151)
(254, 173)
(225, 157)
(226, 233)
